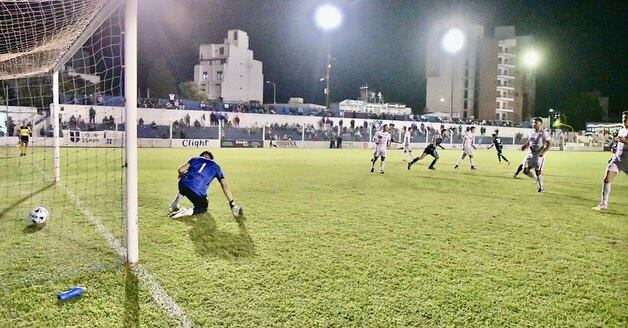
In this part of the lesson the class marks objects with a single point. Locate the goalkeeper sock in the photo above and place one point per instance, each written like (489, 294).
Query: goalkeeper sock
(176, 201)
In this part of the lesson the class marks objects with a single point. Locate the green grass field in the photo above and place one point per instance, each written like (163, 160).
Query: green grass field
(324, 243)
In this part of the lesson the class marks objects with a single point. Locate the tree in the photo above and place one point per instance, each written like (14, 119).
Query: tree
(578, 109)
(160, 80)
(189, 90)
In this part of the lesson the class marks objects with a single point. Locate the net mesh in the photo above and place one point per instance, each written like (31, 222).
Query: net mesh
(88, 200)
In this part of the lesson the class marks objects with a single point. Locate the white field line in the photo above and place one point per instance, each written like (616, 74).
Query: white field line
(159, 295)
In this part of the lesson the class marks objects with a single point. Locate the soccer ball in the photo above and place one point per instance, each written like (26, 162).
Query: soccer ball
(38, 216)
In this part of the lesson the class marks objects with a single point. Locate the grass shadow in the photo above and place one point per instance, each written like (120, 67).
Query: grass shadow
(209, 241)
(131, 299)
(33, 228)
(23, 199)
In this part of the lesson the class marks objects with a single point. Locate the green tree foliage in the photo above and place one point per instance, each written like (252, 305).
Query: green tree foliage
(578, 109)
(189, 90)
(160, 80)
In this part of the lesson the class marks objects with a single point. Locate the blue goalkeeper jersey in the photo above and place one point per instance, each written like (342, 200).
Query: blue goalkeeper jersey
(200, 174)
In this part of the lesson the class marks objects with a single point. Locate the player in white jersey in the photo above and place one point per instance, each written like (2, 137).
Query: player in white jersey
(407, 136)
(468, 145)
(618, 163)
(382, 140)
(538, 143)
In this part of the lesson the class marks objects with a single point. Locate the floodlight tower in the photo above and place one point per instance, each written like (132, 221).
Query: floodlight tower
(452, 42)
(328, 18)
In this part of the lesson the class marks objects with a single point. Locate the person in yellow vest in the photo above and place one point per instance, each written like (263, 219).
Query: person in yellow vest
(24, 133)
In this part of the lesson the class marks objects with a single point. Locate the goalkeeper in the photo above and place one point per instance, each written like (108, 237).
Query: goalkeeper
(194, 179)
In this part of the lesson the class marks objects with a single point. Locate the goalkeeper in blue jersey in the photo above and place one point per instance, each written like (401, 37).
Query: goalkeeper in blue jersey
(194, 179)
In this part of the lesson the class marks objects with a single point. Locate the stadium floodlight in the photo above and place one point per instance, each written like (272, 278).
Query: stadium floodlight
(531, 58)
(328, 17)
(453, 40)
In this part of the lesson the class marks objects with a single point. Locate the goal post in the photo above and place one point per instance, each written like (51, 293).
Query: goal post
(68, 70)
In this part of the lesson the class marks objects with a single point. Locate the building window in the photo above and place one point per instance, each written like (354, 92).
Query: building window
(221, 50)
(466, 105)
(235, 36)
(466, 83)
(466, 94)
(204, 75)
(219, 75)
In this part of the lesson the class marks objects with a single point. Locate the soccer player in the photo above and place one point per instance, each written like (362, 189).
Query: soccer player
(468, 145)
(194, 179)
(24, 132)
(407, 136)
(382, 140)
(497, 142)
(431, 149)
(538, 143)
(618, 163)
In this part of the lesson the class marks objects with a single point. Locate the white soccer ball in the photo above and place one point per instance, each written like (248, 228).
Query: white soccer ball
(38, 216)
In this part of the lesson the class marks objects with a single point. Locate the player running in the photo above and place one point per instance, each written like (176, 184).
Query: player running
(194, 179)
(24, 132)
(618, 163)
(407, 136)
(497, 142)
(431, 149)
(538, 143)
(382, 141)
(468, 145)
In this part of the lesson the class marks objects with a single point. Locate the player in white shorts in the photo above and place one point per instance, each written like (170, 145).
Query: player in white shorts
(618, 163)
(468, 145)
(382, 140)
(407, 136)
(538, 143)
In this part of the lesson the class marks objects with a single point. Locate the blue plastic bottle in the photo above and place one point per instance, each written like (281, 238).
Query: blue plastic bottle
(70, 293)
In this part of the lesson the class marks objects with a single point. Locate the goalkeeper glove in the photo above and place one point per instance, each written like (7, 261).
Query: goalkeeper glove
(236, 209)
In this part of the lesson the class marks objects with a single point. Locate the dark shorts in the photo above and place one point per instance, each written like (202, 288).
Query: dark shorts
(431, 150)
(499, 150)
(200, 202)
(24, 139)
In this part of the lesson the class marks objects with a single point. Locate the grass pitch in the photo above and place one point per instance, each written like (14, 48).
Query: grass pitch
(325, 243)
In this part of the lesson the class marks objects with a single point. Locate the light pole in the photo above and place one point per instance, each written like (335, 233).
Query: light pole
(328, 18)
(274, 91)
(531, 59)
(452, 42)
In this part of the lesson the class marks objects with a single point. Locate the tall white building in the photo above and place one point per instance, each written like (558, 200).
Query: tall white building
(228, 72)
(485, 79)
(452, 79)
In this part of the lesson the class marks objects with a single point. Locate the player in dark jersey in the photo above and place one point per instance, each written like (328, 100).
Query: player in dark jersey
(194, 179)
(431, 149)
(497, 142)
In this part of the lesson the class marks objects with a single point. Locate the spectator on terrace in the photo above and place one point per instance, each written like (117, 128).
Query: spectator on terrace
(153, 125)
(112, 122)
(92, 115)
(197, 124)
(236, 121)
(140, 122)
(175, 125)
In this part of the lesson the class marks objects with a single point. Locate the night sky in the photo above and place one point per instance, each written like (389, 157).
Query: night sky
(382, 43)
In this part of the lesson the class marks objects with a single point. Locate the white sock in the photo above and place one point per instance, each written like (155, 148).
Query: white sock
(381, 166)
(471, 160)
(539, 179)
(175, 202)
(606, 191)
(531, 174)
(459, 160)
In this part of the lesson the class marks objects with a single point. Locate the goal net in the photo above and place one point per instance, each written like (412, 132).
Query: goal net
(61, 74)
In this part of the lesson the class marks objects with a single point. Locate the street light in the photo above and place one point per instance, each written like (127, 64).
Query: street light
(328, 18)
(452, 42)
(274, 91)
